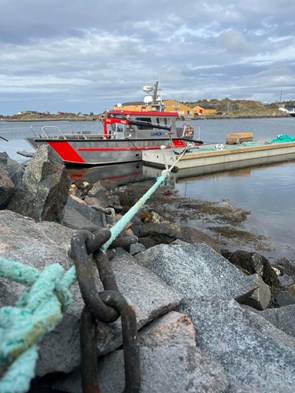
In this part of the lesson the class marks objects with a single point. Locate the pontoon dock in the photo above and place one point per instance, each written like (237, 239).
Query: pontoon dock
(217, 158)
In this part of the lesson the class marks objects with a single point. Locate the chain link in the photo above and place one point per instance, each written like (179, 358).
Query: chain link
(106, 306)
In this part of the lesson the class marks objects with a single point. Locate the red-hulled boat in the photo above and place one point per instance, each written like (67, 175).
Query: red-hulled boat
(125, 135)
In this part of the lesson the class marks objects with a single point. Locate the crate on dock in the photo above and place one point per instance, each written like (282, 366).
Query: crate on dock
(239, 137)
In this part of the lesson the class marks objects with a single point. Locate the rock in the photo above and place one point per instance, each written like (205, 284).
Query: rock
(101, 194)
(291, 290)
(159, 233)
(170, 361)
(147, 242)
(252, 263)
(173, 328)
(249, 348)
(83, 187)
(12, 168)
(34, 244)
(75, 220)
(94, 216)
(167, 233)
(196, 270)
(283, 298)
(277, 271)
(78, 199)
(261, 297)
(109, 214)
(193, 235)
(7, 188)
(41, 244)
(136, 248)
(283, 318)
(256, 355)
(45, 187)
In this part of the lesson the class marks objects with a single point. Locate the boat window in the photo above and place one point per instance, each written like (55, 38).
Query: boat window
(120, 130)
(146, 120)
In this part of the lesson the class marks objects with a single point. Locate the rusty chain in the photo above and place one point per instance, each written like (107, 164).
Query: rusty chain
(106, 306)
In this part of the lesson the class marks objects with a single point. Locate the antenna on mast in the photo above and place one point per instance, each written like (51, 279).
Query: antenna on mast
(155, 90)
(152, 98)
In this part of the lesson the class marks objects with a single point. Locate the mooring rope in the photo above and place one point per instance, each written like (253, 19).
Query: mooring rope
(37, 312)
(123, 222)
(39, 309)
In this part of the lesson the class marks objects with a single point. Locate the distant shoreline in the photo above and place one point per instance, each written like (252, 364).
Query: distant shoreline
(42, 120)
(98, 119)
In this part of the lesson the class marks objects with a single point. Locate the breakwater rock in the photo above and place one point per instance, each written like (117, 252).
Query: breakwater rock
(205, 323)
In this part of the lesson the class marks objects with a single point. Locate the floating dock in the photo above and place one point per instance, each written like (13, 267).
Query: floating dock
(217, 158)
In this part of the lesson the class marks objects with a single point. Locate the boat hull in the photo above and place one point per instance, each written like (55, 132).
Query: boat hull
(100, 151)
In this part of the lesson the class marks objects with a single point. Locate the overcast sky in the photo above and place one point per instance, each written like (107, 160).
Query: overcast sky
(87, 55)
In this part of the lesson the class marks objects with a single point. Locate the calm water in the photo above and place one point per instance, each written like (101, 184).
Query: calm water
(16, 131)
(267, 191)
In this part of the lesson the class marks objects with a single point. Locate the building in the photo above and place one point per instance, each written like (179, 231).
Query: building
(173, 105)
(168, 106)
(131, 106)
(203, 110)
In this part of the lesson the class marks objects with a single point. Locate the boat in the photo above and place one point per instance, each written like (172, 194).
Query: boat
(288, 109)
(126, 134)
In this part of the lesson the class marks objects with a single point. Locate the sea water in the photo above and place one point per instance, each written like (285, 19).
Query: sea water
(15, 132)
(267, 191)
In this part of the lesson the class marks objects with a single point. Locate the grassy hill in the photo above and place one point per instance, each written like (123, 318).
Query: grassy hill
(242, 108)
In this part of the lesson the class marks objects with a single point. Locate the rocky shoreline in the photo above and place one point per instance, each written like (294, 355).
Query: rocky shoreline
(213, 314)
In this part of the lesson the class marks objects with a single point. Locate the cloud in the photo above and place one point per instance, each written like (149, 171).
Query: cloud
(87, 56)
(234, 42)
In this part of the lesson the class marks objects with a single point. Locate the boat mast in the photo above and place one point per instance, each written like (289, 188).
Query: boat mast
(152, 99)
(155, 93)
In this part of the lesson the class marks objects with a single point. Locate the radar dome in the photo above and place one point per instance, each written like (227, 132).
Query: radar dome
(148, 99)
(147, 89)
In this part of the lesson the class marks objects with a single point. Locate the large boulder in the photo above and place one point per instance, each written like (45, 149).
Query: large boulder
(7, 188)
(170, 362)
(44, 189)
(43, 243)
(257, 356)
(14, 169)
(197, 271)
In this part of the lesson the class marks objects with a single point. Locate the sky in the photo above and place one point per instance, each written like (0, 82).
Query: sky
(88, 55)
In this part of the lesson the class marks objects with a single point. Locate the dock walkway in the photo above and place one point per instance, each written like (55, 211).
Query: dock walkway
(216, 158)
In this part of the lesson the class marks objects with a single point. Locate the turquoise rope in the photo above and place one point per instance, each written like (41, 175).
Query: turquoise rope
(18, 377)
(36, 313)
(121, 224)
